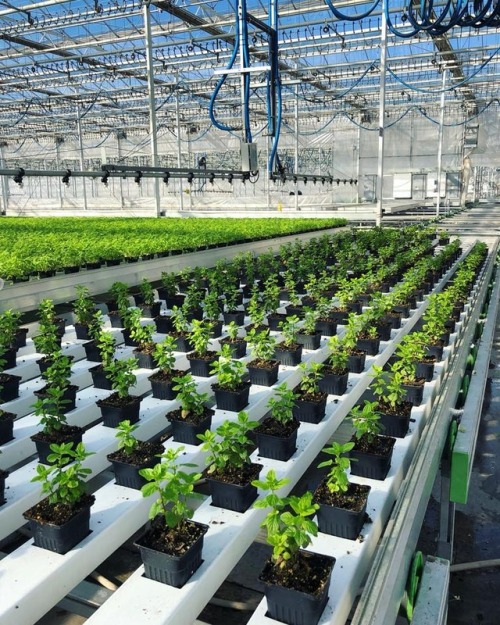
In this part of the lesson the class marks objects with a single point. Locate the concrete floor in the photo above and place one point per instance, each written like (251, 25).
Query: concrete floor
(473, 594)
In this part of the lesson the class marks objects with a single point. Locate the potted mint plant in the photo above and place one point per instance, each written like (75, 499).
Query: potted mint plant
(180, 330)
(83, 309)
(172, 546)
(335, 373)
(310, 399)
(131, 456)
(202, 358)
(230, 472)
(119, 305)
(146, 299)
(372, 452)
(105, 343)
(277, 433)
(308, 335)
(120, 405)
(193, 417)
(162, 382)
(237, 344)
(393, 409)
(296, 581)
(231, 390)
(289, 351)
(263, 368)
(62, 519)
(342, 504)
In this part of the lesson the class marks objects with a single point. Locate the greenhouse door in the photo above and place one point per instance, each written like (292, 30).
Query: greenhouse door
(418, 186)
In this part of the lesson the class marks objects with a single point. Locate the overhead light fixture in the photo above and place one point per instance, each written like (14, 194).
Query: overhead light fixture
(138, 177)
(18, 178)
(66, 177)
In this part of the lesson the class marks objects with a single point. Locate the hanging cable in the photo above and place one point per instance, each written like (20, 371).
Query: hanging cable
(358, 16)
(220, 82)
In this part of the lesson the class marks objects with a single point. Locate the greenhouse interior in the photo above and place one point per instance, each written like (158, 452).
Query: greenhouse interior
(249, 312)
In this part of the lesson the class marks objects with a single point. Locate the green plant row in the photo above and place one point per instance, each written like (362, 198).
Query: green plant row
(32, 245)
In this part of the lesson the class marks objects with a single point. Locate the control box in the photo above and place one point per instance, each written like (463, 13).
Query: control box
(248, 156)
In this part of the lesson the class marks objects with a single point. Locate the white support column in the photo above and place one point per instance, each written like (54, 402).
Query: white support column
(381, 114)
(5, 180)
(358, 159)
(242, 67)
(440, 140)
(119, 136)
(296, 111)
(179, 146)
(58, 141)
(80, 145)
(152, 102)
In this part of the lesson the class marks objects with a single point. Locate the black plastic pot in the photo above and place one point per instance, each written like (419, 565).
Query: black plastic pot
(238, 347)
(264, 376)
(436, 351)
(10, 388)
(294, 607)
(425, 370)
(10, 355)
(232, 496)
(163, 324)
(275, 320)
(288, 357)
(238, 316)
(128, 340)
(3, 476)
(162, 389)
(293, 309)
(115, 319)
(20, 338)
(127, 474)
(113, 415)
(276, 447)
(99, 379)
(404, 309)
(342, 522)
(234, 401)
(370, 346)
(151, 311)
(334, 383)
(60, 538)
(92, 352)
(414, 393)
(384, 331)
(375, 467)
(200, 366)
(187, 432)
(69, 396)
(309, 341)
(74, 435)
(326, 327)
(395, 425)
(309, 411)
(145, 360)
(216, 330)
(183, 344)
(82, 331)
(356, 363)
(171, 570)
(6, 427)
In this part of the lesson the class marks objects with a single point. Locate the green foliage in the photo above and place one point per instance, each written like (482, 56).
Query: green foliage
(50, 410)
(255, 308)
(336, 479)
(191, 401)
(353, 328)
(211, 306)
(64, 485)
(119, 291)
(126, 439)
(271, 295)
(410, 350)
(282, 403)
(289, 329)
(366, 421)
(47, 342)
(83, 306)
(174, 487)
(179, 320)
(147, 292)
(229, 372)
(193, 300)
(200, 336)
(289, 524)
(309, 321)
(339, 357)
(106, 343)
(164, 354)
(228, 447)
(262, 344)
(232, 329)
(9, 324)
(59, 372)
(311, 375)
(388, 386)
(169, 282)
(46, 312)
(121, 375)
